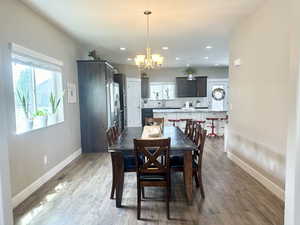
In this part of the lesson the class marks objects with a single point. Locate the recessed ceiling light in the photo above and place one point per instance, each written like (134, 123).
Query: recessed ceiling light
(208, 47)
(177, 58)
(165, 48)
(129, 59)
(206, 57)
(122, 48)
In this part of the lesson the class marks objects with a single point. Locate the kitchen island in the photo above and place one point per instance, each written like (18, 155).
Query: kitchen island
(189, 113)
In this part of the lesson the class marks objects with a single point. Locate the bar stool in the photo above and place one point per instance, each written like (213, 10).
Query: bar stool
(212, 126)
(173, 121)
(201, 122)
(223, 120)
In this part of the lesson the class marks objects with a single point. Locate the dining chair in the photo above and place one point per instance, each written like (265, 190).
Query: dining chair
(177, 162)
(116, 131)
(198, 156)
(129, 160)
(155, 121)
(191, 129)
(110, 137)
(152, 172)
(187, 125)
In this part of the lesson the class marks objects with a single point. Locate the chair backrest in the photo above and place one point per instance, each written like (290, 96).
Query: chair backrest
(187, 126)
(155, 121)
(197, 134)
(116, 131)
(200, 142)
(110, 136)
(191, 129)
(152, 151)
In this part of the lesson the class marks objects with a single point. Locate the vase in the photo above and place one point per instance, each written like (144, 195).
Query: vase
(28, 124)
(41, 121)
(52, 119)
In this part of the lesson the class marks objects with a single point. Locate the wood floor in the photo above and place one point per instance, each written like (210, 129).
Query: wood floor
(79, 195)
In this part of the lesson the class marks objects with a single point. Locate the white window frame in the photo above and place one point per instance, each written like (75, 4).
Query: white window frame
(40, 58)
(163, 84)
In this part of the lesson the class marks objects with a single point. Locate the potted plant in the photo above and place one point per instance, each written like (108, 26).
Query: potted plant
(93, 55)
(190, 72)
(24, 101)
(54, 102)
(41, 117)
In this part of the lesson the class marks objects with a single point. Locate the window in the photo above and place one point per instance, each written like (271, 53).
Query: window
(38, 90)
(162, 90)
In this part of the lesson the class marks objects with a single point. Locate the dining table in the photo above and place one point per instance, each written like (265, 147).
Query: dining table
(180, 145)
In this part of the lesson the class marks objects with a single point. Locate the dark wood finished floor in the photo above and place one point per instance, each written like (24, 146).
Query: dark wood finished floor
(79, 195)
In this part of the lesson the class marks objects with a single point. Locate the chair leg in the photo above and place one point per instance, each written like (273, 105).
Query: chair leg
(201, 185)
(168, 199)
(139, 202)
(113, 187)
(143, 192)
(196, 179)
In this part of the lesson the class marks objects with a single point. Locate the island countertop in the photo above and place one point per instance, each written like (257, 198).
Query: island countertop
(189, 110)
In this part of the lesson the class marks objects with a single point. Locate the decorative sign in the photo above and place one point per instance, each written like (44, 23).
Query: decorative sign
(72, 93)
(218, 94)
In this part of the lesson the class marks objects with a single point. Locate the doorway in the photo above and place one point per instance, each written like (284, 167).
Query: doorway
(134, 113)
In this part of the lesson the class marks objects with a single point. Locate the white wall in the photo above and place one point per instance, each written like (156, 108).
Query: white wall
(21, 25)
(259, 90)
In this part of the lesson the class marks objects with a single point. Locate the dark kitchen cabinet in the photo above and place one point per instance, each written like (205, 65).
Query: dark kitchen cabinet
(191, 88)
(201, 86)
(146, 113)
(185, 88)
(94, 77)
(145, 85)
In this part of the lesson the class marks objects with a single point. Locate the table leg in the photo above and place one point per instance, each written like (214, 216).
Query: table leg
(188, 175)
(117, 157)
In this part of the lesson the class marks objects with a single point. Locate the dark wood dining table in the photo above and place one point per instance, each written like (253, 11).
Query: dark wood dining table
(180, 144)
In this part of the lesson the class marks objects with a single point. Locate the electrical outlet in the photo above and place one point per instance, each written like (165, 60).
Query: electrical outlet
(45, 160)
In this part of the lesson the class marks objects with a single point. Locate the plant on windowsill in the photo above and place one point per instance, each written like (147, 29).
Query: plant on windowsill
(23, 99)
(41, 118)
(55, 103)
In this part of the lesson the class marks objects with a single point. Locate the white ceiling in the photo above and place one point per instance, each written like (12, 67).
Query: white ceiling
(185, 26)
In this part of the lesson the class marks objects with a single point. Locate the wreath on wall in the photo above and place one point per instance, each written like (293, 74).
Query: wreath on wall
(218, 94)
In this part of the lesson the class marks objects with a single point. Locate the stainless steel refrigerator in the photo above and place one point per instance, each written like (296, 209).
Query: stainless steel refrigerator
(113, 101)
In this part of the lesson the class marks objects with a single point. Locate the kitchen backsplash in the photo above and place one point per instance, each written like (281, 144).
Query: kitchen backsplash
(175, 103)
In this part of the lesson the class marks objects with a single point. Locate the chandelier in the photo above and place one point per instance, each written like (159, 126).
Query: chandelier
(148, 61)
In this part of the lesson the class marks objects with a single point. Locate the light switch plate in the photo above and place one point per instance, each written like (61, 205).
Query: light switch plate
(237, 63)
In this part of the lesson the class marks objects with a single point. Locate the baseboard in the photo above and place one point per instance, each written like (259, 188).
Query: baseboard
(19, 198)
(274, 188)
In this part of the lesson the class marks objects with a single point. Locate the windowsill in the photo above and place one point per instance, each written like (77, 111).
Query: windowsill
(39, 128)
